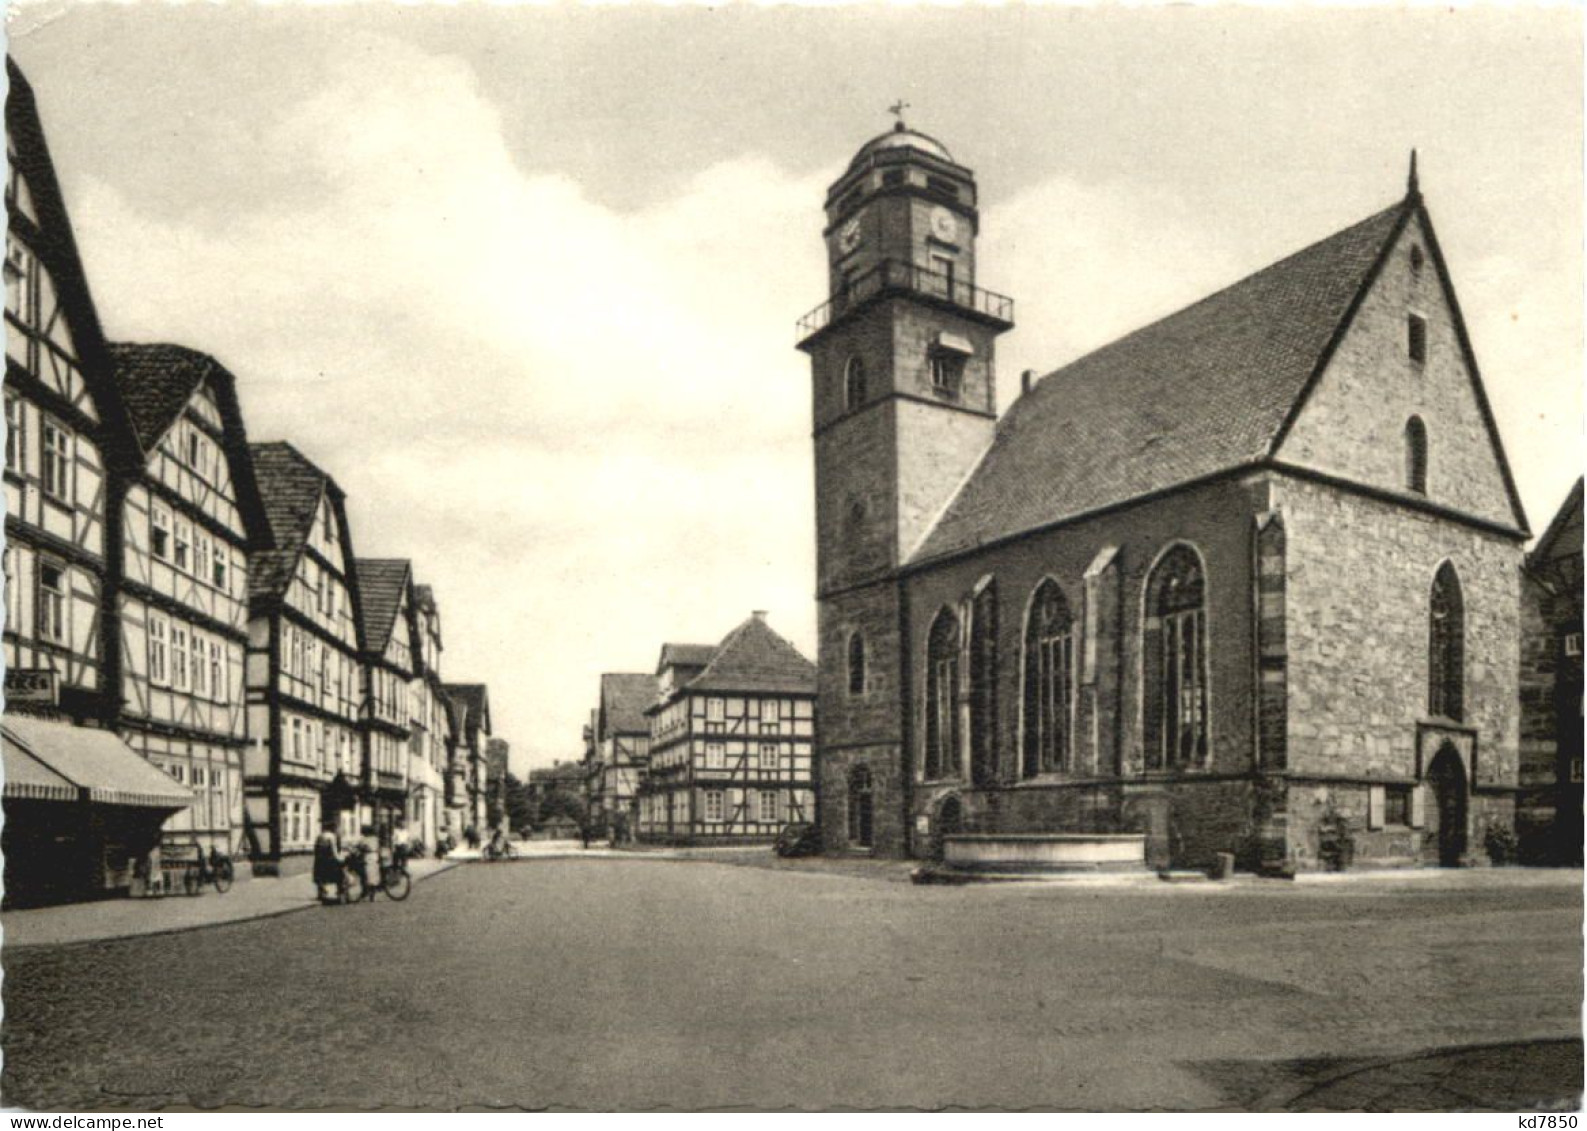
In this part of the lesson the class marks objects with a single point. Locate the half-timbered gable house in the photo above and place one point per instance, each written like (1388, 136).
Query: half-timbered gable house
(471, 703)
(82, 809)
(1244, 581)
(732, 740)
(428, 724)
(387, 661)
(187, 523)
(305, 759)
(621, 743)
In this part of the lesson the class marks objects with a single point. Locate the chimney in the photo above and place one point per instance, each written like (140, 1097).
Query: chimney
(1025, 379)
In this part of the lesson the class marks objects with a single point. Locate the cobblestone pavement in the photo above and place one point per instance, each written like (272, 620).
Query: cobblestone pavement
(638, 983)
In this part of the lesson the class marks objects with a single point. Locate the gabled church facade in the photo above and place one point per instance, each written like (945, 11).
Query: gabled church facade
(1246, 580)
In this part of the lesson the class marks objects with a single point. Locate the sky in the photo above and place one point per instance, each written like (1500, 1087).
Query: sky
(524, 280)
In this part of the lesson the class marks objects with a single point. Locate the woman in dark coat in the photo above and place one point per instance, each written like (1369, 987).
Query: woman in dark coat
(327, 862)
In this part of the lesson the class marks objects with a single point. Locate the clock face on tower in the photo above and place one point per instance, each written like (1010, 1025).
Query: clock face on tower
(943, 224)
(849, 236)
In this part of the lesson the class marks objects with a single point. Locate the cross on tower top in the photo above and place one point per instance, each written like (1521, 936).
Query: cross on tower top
(897, 110)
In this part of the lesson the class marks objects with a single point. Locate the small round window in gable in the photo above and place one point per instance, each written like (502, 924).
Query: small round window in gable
(1416, 258)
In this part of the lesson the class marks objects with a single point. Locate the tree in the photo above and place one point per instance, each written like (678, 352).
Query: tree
(560, 802)
(520, 807)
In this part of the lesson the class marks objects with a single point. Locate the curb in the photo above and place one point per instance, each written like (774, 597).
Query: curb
(189, 928)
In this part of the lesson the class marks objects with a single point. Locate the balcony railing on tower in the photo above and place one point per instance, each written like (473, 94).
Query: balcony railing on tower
(895, 275)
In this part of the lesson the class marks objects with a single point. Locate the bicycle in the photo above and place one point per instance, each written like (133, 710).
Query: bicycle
(505, 851)
(393, 879)
(215, 868)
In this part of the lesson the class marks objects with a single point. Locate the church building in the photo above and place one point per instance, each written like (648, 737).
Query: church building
(1245, 580)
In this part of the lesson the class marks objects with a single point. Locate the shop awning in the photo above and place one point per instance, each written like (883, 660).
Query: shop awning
(45, 760)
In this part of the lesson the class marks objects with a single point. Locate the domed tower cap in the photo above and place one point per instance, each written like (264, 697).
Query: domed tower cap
(902, 137)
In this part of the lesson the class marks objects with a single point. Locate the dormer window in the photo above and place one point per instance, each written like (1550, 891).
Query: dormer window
(854, 383)
(1416, 338)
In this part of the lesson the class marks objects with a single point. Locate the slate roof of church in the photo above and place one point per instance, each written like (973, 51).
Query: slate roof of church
(381, 584)
(624, 698)
(753, 658)
(290, 486)
(1200, 392)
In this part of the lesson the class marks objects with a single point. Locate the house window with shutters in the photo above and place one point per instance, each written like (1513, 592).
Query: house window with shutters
(218, 567)
(768, 805)
(52, 601)
(942, 697)
(1175, 662)
(179, 671)
(159, 632)
(1049, 682)
(184, 545)
(15, 414)
(1446, 667)
(217, 672)
(714, 799)
(200, 666)
(715, 756)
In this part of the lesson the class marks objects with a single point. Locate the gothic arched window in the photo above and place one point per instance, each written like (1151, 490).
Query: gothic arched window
(1049, 681)
(1416, 455)
(857, 664)
(1446, 647)
(983, 684)
(942, 697)
(1175, 658)
(854, 383)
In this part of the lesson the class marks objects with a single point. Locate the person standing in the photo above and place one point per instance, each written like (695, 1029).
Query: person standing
(327, 861)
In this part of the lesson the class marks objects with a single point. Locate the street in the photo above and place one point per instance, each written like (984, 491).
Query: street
(651, 983)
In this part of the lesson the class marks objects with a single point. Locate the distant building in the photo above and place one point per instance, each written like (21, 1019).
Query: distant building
(471, 706)
(732, 739)
(305, 758)
(621, 744)
(1549, 809)
(428, 725)
(388, 669)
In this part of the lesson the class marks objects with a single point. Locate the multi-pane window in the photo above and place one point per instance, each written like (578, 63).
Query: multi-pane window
(946, 371)
(57, 468)
(714, 799)
(218, 566)
(768, 805)
(1176, 662)
(52, 601)
(159, 630)
(13, 593)
(768, 756)
(1446, 669)
(942, 697)
(200, 666)
(179, 671)
(217, 672)
(160, 531)
(715, 716)
(715, 755)
(15, 417)
(1049, 682)
(297, 739)
(770, 723)
(202, 549)
(184, 545)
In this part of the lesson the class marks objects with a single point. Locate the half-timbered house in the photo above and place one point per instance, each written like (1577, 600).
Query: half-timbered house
(428, 724)
(466, 759)
(81, 807)
(182, 595)
(385, 603)
(305, 758)
(621, 746)
(731, 740)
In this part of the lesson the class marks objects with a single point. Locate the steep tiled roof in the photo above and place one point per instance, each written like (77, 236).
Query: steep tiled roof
(685, 656)
(156, 382)
(381, 583)
(472, 704)
(290, 487)
(1564, 534)
(753, 658)
(1202, 391)
(624, 698)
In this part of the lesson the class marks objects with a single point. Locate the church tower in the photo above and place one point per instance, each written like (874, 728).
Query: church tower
(904, 404)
